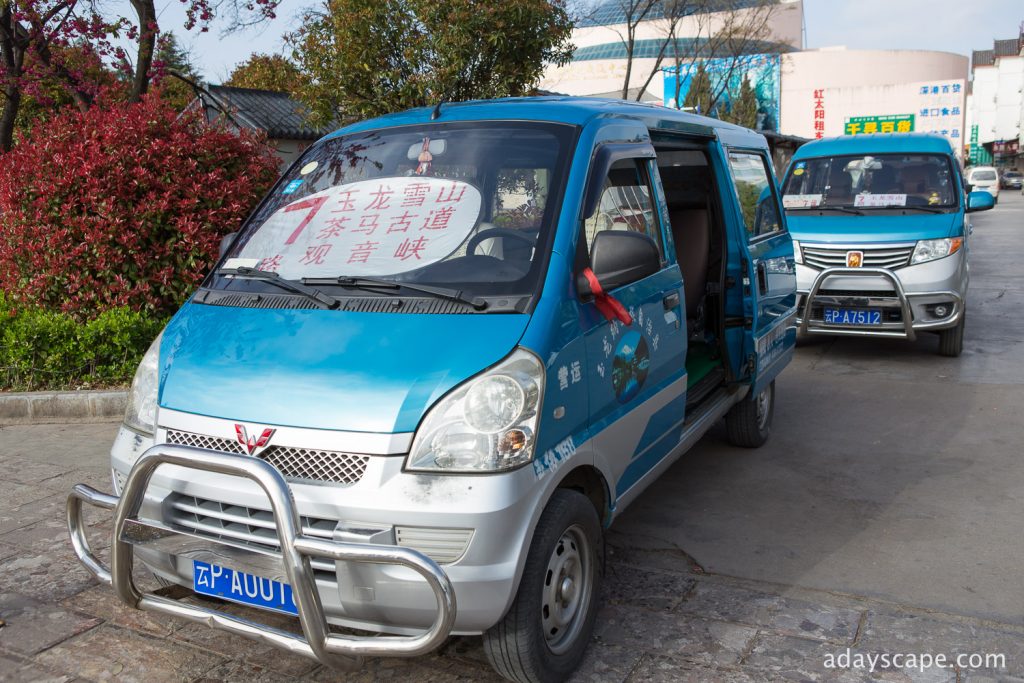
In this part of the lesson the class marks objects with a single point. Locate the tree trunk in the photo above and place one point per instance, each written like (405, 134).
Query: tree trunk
(629, 67)
(146, 12)
(12, 101)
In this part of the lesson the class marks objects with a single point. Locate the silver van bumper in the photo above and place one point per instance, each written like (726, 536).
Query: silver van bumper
(898, 301)
(292, 563)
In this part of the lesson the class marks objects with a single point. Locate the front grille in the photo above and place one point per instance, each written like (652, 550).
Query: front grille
(874, 257)
(242, 525)
(255, 527)
(296, 464)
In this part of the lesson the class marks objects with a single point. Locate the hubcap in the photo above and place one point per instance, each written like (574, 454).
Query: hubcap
(764, 405)
(567, 588)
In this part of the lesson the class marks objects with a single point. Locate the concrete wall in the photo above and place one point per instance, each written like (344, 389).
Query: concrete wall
(856, 83)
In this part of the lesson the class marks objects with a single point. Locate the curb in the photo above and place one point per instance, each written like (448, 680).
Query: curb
(42, 407)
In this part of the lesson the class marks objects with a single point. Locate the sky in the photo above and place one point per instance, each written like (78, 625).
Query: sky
(948, 25)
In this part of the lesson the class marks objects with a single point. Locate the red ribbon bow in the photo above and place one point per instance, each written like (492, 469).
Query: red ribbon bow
(605, 302)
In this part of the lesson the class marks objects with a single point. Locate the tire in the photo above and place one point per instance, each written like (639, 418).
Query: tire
(951, 341)
(748, 424)
(567, 543)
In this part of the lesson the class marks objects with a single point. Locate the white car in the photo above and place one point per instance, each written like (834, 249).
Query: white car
(984, 178)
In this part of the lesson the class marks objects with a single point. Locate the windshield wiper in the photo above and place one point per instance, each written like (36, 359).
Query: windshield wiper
(273, 278)
(368, 282)
(929, 209)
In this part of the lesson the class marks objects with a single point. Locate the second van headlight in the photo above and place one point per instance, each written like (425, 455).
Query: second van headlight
(929, 250)
(488, 424)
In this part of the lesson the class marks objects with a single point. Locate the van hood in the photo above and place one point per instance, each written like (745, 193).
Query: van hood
(351, 371)
(850, 229)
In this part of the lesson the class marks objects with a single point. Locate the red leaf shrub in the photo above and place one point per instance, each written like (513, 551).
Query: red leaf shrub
(123, 206)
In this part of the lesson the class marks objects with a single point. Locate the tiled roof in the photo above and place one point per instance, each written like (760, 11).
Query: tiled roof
(983, 58)
(274, 112)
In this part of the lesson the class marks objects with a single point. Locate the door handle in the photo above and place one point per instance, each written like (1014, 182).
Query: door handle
(762, 277)
(671, 301)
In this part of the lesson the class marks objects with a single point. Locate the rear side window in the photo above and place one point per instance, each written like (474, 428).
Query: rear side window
(753, 183)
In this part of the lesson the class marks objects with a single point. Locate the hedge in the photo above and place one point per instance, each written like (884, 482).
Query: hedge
(42, 349)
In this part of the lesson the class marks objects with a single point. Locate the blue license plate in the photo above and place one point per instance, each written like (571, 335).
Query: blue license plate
(228, 584)
(853, 316)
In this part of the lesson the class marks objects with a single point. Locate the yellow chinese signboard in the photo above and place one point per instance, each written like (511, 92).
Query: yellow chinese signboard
(866, 125)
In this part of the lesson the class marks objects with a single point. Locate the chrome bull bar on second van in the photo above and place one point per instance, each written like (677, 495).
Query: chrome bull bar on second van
(900, 300)
(292, 563)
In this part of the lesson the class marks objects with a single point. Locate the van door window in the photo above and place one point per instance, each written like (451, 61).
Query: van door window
(754, 190)
(626, 204)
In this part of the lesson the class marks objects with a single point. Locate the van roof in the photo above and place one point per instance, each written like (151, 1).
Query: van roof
(558, 109)
(878, 143)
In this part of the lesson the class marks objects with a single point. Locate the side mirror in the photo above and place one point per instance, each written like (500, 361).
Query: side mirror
(621, 257)
(225, 243)
(980, 201)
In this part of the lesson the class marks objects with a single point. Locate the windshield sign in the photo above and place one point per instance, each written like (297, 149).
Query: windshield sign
(871, 182)
(370, 227)
(464, 206)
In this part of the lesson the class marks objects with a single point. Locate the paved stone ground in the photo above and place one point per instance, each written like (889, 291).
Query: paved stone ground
(662, 618)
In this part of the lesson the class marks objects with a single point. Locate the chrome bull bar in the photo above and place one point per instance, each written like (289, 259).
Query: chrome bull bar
(316, 642)
(908, 324)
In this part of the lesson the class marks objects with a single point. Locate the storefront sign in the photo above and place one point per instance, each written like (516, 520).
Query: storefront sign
(866, 125)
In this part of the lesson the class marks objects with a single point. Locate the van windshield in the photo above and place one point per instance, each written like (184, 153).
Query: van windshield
(463, 205)
(866, 182)
(983, 175)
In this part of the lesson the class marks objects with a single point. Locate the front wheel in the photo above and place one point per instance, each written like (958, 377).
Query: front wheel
(951, 341)
(544, 634)
(749, 423)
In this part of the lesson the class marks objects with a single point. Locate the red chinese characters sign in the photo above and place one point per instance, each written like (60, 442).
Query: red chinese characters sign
(372, 227)
(819, 113)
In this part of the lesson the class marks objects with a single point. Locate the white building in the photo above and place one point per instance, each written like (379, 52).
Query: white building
(599, 64)
(997, 101)
(810, 93)
(835, 91)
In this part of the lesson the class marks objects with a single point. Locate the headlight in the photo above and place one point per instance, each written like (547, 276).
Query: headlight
(929, 250)
(487, 424)
(798, 255)
(141, 412)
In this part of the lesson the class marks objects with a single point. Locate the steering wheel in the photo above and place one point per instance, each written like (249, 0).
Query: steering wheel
(490, 233)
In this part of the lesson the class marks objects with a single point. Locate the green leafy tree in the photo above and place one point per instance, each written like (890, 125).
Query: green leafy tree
(698, 99)
(744, 106)
(174, 72)
(369, 57)
(266, 72)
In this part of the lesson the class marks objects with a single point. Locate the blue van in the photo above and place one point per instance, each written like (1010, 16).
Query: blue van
(438, 360)
(881, 236)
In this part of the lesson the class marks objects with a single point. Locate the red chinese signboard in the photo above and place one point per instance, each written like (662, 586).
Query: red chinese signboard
(819, 113)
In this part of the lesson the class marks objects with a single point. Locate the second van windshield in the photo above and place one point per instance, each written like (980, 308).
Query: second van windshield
(871, 182)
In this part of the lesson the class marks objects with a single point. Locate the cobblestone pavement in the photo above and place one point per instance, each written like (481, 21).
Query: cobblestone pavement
(662, 618)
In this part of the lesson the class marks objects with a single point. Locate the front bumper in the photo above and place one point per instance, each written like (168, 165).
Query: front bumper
(291, 564)
(906, 297)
